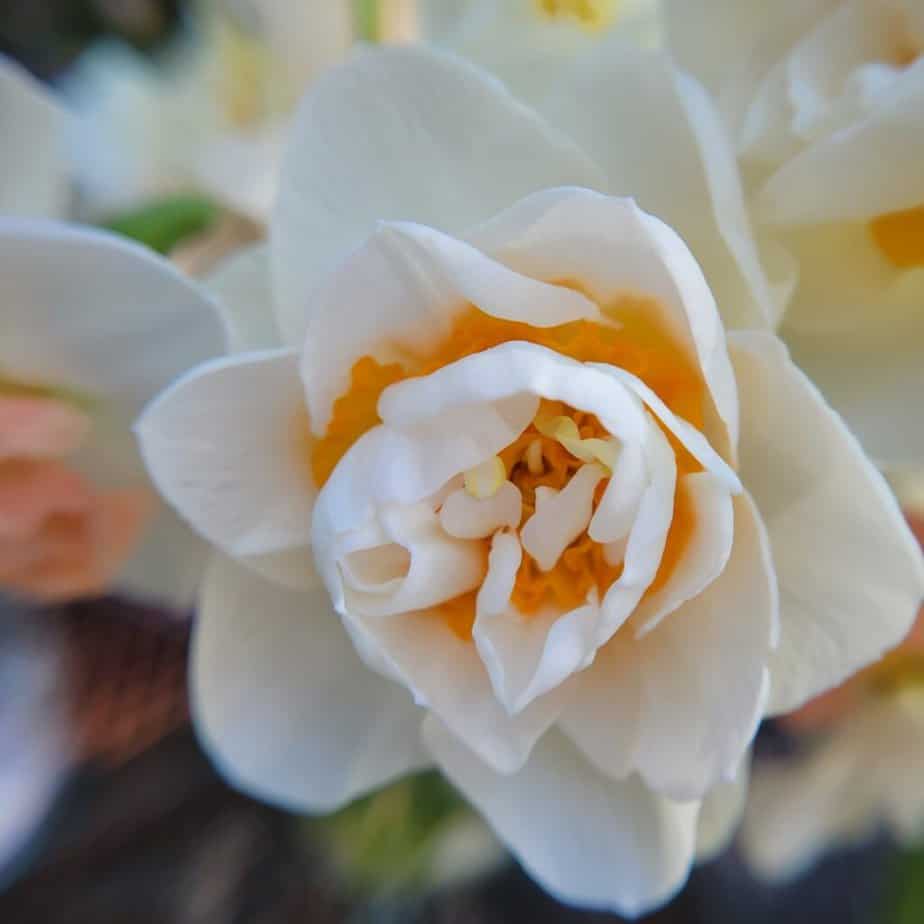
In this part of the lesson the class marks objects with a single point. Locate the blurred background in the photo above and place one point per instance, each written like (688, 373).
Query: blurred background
(123, 818)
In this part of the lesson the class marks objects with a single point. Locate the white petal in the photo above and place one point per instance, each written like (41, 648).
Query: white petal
(282, 702)
(470, 518)
(562, 518)
(588, 840)
(33, 169)
(615, 249)
(96, 313)
(436, 567)
(446, 675)
(423, 166)
(659, 138)
(227, 446)
(242, 287)
(687, 435)
(618, 507)
(403, 287)
(503, 563)
(704, 677)
(877, 159)
(704, 556)
(850, 573)
(511, 369)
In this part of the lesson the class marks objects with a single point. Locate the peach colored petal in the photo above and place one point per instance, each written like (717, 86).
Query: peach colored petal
(40, 428)
(32, 490)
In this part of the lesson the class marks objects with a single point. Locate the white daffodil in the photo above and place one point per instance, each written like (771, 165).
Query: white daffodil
(497, 494)
(527, 43)
(825, 102)
(859, 769)
(93, 326)
(211, 114)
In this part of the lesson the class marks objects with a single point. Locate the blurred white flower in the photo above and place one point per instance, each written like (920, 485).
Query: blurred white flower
(33, 171)
(492, 489)
(36, 750)
(859, 769)
(527, 43)
(209, 114)
(93, 327)
(825, 103)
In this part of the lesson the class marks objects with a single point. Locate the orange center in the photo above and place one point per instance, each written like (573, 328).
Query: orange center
(637, 343)
(900, 237)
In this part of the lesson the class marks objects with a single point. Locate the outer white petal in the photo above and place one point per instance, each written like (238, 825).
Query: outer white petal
(614, 249)
(91, 311)
(283, 704)
(588, 840)
(33, 170)
(660, 139)
(424, 110)
(446, 676)
(402, 289)
(242, 287)
(850, 573)
(703, 671)
(227, 447)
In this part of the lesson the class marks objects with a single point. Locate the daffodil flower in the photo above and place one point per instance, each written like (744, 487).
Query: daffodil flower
(494, 491)
(825, 105)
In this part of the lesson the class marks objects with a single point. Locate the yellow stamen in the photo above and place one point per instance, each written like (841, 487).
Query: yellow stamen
(591, 14)
(900, 237)
(484, 481)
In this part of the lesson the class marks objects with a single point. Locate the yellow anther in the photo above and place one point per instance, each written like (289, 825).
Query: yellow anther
(485, 480)
(591, 14)
(565, 431)
(534, 457)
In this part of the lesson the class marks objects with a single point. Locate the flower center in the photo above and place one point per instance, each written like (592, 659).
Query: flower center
(591, 14)
(900, 237)
(559, 443)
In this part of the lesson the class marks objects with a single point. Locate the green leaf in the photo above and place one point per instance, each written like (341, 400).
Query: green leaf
(906, 889)
(165, 223)
(366, 19)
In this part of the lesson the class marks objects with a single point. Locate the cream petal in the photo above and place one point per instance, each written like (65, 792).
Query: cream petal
(282, 703)
(562, 518)
(467, 517)
(642, 121)
(588, 840)
(404, 286)
(446, 676)
(335, 187)
(227, 447)
(437, 566)
(704, 677)
(33, 168)
(851, 575)
(98, 314)
(242, 287)
(503, 563)
(615, 249)
(705, 555)
(511, 369)
(619, 504)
